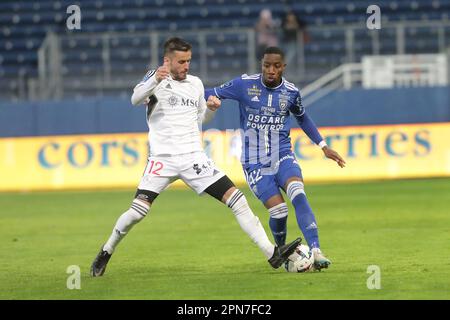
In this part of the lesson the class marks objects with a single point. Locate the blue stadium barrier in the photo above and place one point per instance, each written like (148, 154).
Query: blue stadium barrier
(114, 115)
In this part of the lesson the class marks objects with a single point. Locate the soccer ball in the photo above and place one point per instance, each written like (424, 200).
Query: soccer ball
(301, 260)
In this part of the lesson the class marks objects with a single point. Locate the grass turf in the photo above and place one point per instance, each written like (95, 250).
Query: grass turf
(191, 247)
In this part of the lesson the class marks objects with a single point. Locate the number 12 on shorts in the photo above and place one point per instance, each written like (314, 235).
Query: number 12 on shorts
(155, 167)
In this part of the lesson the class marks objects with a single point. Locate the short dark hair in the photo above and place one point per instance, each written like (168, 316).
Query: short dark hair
(176, 44)
(274, 50)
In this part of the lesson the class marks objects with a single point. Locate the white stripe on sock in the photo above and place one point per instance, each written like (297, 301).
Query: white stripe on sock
(279, 211)
(294, 189)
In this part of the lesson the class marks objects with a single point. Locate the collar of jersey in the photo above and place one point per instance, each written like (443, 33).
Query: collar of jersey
(172, 79)
(282, 82)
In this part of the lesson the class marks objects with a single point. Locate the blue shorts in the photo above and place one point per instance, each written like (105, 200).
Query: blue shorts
(265, 186)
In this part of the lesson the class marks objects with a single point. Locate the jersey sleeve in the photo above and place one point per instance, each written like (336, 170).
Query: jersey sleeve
(229, 90)
(304, 120)
(309, 127)
(144, 89)
(204, 114)
(297, 108)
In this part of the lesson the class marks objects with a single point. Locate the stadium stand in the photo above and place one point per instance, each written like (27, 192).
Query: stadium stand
(25, 24)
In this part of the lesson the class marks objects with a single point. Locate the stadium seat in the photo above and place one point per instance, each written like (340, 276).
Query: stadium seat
(24, 25)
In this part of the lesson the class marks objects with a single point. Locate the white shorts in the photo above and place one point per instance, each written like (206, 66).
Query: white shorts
(195, 169)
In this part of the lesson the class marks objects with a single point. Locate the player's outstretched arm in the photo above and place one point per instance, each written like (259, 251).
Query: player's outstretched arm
(333, 155)
(229, 90)
(210, 92)
(147, 86)
(309, 127)
(213, 103)
(209, 109)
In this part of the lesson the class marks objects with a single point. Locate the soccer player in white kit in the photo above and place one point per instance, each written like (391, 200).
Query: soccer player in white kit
(175, 108)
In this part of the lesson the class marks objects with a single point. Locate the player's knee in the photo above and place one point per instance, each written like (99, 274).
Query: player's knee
(221, 189)
(145, 196)
(295, 188)
(279, 211)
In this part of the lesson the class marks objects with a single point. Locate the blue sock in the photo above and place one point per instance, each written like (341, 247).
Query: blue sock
(278, 228)
(306, 220)
(278, 221)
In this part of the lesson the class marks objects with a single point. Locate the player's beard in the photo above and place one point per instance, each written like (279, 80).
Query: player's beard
(180, 76)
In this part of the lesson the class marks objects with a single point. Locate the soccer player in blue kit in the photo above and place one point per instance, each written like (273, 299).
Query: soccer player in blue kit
(265, 102)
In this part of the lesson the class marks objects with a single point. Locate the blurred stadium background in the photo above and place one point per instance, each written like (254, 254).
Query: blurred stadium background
(380, 97)
(55, 81)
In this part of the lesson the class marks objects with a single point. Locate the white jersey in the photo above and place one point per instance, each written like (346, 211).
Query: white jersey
(174, 113)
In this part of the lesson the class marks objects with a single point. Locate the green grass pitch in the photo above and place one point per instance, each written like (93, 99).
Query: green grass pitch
(191, 247)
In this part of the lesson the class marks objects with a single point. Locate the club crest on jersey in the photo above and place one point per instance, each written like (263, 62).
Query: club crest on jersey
(173, 100)
(283, 104)
(254, 91)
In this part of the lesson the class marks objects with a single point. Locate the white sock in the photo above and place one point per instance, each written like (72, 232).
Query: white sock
(126, 221)
(249, 222)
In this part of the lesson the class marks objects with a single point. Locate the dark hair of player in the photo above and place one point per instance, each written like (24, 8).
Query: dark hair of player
(176, 44)
(274, 50)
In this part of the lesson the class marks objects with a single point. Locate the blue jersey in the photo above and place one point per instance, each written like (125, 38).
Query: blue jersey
(264, 115)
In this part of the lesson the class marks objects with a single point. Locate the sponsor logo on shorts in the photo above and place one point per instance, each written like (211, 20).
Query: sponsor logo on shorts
(196, 168)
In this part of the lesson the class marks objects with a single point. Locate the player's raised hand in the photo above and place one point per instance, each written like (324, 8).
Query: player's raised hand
(163, 71)
(213, 103)
(333, 155)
